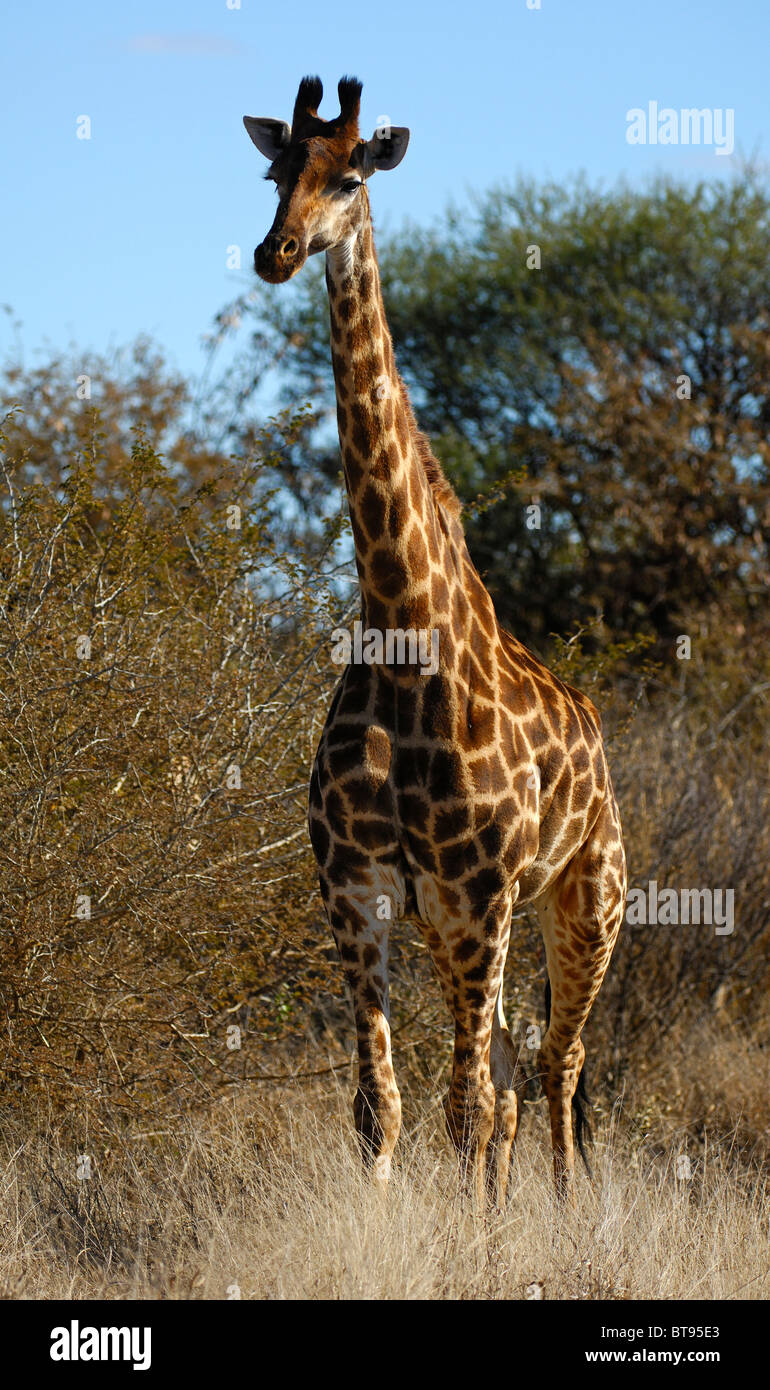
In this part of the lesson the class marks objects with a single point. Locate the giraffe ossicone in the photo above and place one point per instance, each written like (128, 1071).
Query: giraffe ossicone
(453, 793)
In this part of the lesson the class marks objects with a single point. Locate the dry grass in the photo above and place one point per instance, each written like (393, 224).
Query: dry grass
(263, 1198)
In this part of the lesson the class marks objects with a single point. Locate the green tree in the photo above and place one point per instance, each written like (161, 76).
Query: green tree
(622, 387)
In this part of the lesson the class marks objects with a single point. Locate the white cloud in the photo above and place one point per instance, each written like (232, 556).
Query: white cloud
(185, 45)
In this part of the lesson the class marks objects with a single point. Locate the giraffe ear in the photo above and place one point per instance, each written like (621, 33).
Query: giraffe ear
(386, 148)
(270, 137)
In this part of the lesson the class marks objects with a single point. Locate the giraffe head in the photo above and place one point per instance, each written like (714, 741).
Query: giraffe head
(319, 168)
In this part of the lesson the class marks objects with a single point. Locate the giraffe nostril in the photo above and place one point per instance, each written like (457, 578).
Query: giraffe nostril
(289, 248)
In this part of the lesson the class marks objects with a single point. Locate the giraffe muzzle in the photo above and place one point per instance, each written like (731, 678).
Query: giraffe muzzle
(279, 257)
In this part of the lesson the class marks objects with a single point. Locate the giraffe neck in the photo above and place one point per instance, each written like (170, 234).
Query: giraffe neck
(410, 548)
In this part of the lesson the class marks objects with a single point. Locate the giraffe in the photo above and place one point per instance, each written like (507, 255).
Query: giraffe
(445, 792)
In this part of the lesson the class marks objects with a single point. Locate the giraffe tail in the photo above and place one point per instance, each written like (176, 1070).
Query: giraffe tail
(581, 1101)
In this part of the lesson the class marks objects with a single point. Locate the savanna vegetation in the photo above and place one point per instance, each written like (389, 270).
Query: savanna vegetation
(176, 1054)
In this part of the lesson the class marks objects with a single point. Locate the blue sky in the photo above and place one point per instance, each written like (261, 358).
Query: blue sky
(127, 232)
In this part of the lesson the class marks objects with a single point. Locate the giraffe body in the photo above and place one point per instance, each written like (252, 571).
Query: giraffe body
(447, 795)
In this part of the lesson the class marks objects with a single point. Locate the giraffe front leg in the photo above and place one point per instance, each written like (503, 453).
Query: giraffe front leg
(481, 1106)
(362, 943)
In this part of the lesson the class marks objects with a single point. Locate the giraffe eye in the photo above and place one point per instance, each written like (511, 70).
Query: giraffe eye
(350, 185)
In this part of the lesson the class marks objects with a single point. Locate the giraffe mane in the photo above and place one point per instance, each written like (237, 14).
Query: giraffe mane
(443, 493)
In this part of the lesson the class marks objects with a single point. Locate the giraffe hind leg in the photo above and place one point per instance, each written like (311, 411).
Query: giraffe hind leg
(580, 916)
(581, 1101)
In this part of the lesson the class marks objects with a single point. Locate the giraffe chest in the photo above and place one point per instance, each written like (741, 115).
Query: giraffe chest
(393, 785)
